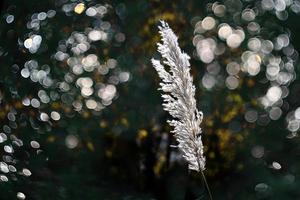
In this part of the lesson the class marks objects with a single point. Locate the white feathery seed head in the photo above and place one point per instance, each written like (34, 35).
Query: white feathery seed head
(179, 97)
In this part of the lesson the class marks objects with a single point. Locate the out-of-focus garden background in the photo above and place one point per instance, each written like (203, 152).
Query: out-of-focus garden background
(81, 117)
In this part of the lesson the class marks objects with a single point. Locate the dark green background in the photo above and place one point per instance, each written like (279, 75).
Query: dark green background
(85, 173)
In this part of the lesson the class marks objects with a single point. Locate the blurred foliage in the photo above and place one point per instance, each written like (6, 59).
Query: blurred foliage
(123, 150)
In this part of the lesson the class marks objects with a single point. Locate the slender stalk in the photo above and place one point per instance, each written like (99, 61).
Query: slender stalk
(206, 185)
(203, 177)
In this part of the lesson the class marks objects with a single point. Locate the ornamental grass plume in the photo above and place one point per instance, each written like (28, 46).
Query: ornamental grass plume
(179, 99)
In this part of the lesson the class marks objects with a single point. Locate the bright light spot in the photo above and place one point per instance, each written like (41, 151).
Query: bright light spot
(275, 113)
(252, 63)
(91, 12)
(44, 117)
(26, 101)
(253, 68)
(51, 13)
(293, 125)
(8, 149)
(233, 68)
(268, 4)
(3, 178)
(33, 43)
(208, 81)
(280, 5)
(42, 16)
(205, 49)
(267, 46)
(3, 137)
(273, 70)
(4, 167)
(297, 113)
(55, 115)
(241, 33)
(79, 8)
(89, 62)
(234, 40)
(34, 144)
(84, 82)
(91, 104)
(28, 43)
(248, 15)
(276, 165)
(71, 141)
(25, 73)
(21, 196)
(107, 93)
(10, 19)
(77, 105)
(253, 27)
(12, 168)
(35, 103)
(274, 93)
(224, 31)
(111, 63)
(124, 76)
(86, 91)
(219, 10)
(206, 55)
(254, 44)
(26, 172)
(232, 82)
(251, 116)
(95, 35)
(208, 23)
